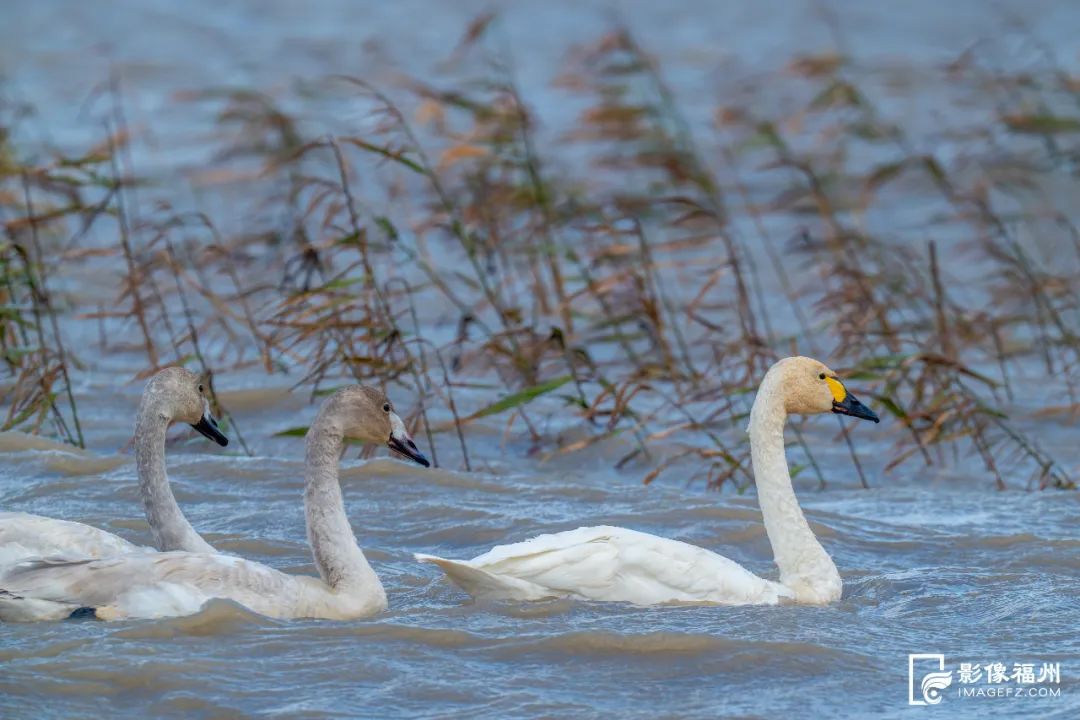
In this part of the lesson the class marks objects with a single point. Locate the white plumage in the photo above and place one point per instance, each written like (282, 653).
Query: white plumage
(615, 564)
(24, 536)
(612, 564)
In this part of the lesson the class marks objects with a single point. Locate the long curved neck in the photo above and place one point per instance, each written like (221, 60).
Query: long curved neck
(804, 565)
(340, 560)
(171, 529)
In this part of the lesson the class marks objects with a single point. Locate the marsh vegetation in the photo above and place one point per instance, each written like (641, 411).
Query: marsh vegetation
(634, 272)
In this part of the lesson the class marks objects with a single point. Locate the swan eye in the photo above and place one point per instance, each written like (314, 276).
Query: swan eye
(821, 376)
(200, 388)
(386, 407)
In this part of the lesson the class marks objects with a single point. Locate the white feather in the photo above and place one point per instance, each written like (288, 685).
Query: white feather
(24, 536)
(615, 564)
(609, 564)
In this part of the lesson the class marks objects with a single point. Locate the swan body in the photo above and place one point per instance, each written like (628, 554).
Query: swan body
(169, 584)
(609, 563)
(24, 536)
(617, 564)
(173, 394)
(151, 585)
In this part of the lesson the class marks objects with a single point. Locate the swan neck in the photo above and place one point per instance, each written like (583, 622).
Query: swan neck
(803, 563)
(337, 555)
(171, 530)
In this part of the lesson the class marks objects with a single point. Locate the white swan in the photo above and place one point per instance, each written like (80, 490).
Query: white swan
(178, 583)
(172, 395)
(616, 564)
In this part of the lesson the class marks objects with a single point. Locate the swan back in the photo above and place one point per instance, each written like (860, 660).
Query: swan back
(609, 564)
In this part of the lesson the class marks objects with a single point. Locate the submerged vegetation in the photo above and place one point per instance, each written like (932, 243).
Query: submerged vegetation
(641, 267)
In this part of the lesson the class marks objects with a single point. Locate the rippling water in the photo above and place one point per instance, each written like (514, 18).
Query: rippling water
(933, 569)
(931, 563)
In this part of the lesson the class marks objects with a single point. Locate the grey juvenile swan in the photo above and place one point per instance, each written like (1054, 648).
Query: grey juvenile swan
(166, 584)
(172, 395)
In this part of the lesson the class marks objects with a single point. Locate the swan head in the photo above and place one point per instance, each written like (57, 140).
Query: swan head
(365, 414)
(179, 395)
(809, 387)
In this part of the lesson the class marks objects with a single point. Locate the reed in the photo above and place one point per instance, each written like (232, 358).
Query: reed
(453, 248)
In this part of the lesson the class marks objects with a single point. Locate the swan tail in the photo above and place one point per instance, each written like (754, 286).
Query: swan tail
(484, 585)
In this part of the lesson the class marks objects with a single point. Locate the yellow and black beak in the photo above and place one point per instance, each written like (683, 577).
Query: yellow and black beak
(844, 403)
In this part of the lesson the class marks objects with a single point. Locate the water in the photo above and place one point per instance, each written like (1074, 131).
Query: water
(927, 568)
(933, 559)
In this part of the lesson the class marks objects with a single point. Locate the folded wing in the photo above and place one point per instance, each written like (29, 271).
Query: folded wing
(609, 564)
(140, 585)
(24, 536)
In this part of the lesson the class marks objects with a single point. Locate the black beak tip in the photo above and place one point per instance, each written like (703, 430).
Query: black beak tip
(208, 428)
(853, 408)
(409, 450)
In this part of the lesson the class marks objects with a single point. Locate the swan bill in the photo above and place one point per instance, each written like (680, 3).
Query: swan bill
(401, 443)
(208, 428)
(850, 405)
(408, 449)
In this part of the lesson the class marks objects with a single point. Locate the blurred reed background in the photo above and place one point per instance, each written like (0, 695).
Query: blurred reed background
(634, 271)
